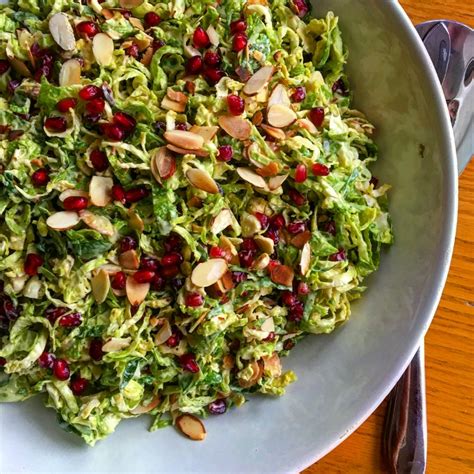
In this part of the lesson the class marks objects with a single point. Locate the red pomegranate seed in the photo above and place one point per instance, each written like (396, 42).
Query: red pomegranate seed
(288, 298)
(149, 263)
(32, 262)
(301, 173)
(212, 58)
(288, 345)
(61, 369)
(75, 203)
(136, 194)
(277, 221)
(270, 337)
(152, 19)
(158, 283)
(95, 106)
(79, 385)
(170, 272)
(246, 258)
(201, 38)
(238, 26)
(132, 51)
(217, 407)
(235, 104)
(300, 7)
(143, 276)
(56, 124)
(319, 169)
(193, 300)
(171, 259)
(316, 116)
(299, 94)
(95, 349)
(46, 360)
(249, 244)
(65, 104)
(181, 126)
(339, 87)
(113, 132)
(188, 362)
(88, 28)
(118, 193)
(225, 153)
(118, 281)
(173, 242)
(338, 256)
(125, 121)
(90, 92)
(296, 227)
(263, 219)
(173, 340)
(303, 288)
(99, 160)
(296, 197)
(4, 66)
(128, 243)
(53, 313)
(296, 312)
(194, 65)
(157, 44)
(239, 42)
(273, 234)
(71, 320)
(213, 75)
(217, 252)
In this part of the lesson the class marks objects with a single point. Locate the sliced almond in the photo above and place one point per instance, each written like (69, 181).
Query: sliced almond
(261, 262)
(100, 190)
(272, 365)
(277, 133)
(276, 181)
(259, 80)
(169, 104)
(100, 284)
(176, 96)
(110, 268)
(129, 260)
(201, 179)
(136, 292)
(139, 410)
(249, 175)
(280, 116)
(99, 223)
(63, 220)
(184, 151)
(73, 192)
(279, 95)
(236, 127)
(257, 118)
(115, 344)
(207, 133)
(62, 32)
(271, 169)
(213, 36)
(191, 427)
(265, 244)
(282, 275)
(256, 376)
(184, 139)
(223, 220)
(307, 125)
(305, 258)
(207, 273)
(129, 4)
(227, 281)
(135, 221)
(103, 49)
(147, 56)
(162, 164)
(164, 333)
(106, 13)
(70, 73)
(299, 240)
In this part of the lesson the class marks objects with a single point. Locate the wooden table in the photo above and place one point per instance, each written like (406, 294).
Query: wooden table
(449, 342)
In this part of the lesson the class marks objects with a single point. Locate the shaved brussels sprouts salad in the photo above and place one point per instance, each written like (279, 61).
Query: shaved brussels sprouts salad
(185, 194)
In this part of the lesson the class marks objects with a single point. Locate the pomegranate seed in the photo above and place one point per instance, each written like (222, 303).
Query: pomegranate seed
(136, 194)
(193, 300)
(217, 407)
(95, 349)
(79, 385)
(273, 234)
(249, 244)
(319, 169)
(239, 277)
(330, 227)
(300, 7)
(239, 42)
(88, 28)
(170, 272)
(173, 242)
(46, 360)
(299, 94)
(119, 281)
(212, 58)
(71, 320)
(32, 262)
(173, 340)
(128, 243)
(225, 153)
(75, 203)
(374, 181)
(118, 193)
(4, 66)
(188, 362)
(194, 65)
(296, 227)
(301, 173)
(263, 219)
(113, 132)
(295, 313)
(53, 313)
(149, 263)
(143, 276)
(213, 75)
(303, 288)
(95, 106)
(217, 252)
(270, 337)
(288, 345)
(200, 38)
(339, 87)
(125, 121)
(152, 19)
(132, 51)
(246, 257)
(277, 221)
(316, 116)
(171, 259)
(181, 126)
(157, 44)
(65, 104)
(56, 124)
(288, 298)
(157, 283)
(338, 256)
(235, 104)
(238, 26)
(99, 160)
(296, 197)
(61, 369)
(90, 92)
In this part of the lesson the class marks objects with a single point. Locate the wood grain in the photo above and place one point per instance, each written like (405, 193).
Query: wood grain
(449, 342)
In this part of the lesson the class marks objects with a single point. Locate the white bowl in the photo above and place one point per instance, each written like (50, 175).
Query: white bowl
(344, 376)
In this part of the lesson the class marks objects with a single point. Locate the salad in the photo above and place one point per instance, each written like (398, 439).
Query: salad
(185, 194)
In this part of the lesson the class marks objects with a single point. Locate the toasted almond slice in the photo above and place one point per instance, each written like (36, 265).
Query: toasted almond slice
(261, 262)
(136, 292)
(271, 169)
(191, 427)
(277, 133)
(249, 175)
(176, 96)
(207, 133)
(213, 36)
(257, 118)
(73, 192)
(106, 13)
(265, 244)
(184, 139)
(70, 73)
(201, 179)
(142, 42)
(256, 376)
(103, 49)
(184, 151)
(139, 410)
(280, 116)
(129, 4)
(147, 56)
(236, 127)
(19, 66)
(115, 344)
(129, 260)
(259, 80)
(135, 221)
(276, 181)
(207, 273)
(62, 32)
(282, 275)
(136, 23)
(272, 365)
(100, 284)
(221, 221)
(162, 164)
(279, 95)
(300, 239)
(168, 104)
(63, 220)
(100, 189)
(99, 223)
(305, 258)
(227, 281)
(164, 333)
(307, 125)
(110, 268)
(268, 325)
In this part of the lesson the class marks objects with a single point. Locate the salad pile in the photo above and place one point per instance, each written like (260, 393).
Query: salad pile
(185, 193)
